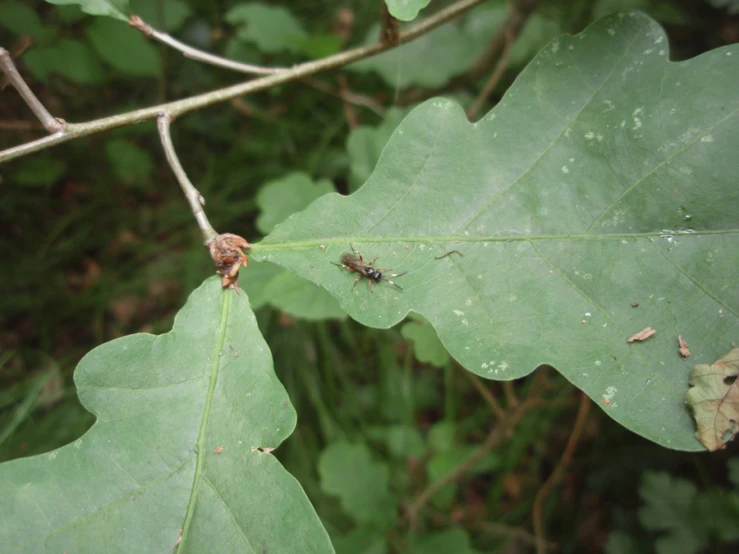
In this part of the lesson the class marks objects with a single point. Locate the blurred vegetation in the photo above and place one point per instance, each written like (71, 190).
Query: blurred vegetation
(98, 242)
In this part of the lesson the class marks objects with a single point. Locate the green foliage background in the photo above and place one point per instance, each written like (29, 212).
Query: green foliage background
(98, 243)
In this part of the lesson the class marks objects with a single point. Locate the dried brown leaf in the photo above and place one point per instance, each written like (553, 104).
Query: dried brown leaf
(642, 335)
(714, 399)
(683, 346)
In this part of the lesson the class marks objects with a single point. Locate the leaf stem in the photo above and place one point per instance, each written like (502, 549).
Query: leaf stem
(194, 198)
(179, 107)
(52, 124)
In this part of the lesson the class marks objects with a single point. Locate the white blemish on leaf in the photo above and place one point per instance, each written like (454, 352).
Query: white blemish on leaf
(637, 124)
(78, 443)
(610, 31)
(52, 455)
(459, 313)
(512, 298)
(707, 138)
(610, 393)
(503, 365)
(555, 47)
(590, 135)
(469, 302)
(565, 169)
(659, 40)
(465, 322)
(648, 51)
(570, 47)
(598, 363)
(567, 132)
(662, 52)
(637, 111)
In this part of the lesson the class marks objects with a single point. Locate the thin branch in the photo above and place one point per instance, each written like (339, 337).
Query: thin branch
(486, 394)
(582, 415)
(194, 198)
(521, 10)
(492, 82)
(351, 116)
(186, 105)
(51, 124)
(189, 52)
(524, 536)
(497, 434)
(347, 96)
(510, 395)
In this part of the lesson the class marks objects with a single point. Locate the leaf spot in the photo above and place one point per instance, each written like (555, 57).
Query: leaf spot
(459, 312)
(565, 169)
(648, 51)
(590, 135)
(555, 47)
(611, 32)
(52, 455)
(707, 138)
(78, 443)
(512, 298)
(659, 40)
(598, 363)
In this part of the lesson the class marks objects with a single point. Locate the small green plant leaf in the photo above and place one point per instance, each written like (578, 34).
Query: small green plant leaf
(406, 10)
(426, 344)
(71, 59)
(598, 182)
(443, 542)
(361, 484)
(714, 399)
(129, 161)
(20, 19)
(39, 171)
(667, 507)
(362, 540)
(124, 48)
(283, 197)
(175, 13)
(273, 29)
(117, 9)
(179, 457)
(365, 143)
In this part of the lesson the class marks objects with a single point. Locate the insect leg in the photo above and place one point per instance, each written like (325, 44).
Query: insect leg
(357, 279)
(394, 284)
(369, 284)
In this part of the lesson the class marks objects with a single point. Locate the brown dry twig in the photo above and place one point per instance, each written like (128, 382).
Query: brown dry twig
(642, 335)
(683, 347)
(582, 415)
(521, 10)
(492, 82)
(389, 26)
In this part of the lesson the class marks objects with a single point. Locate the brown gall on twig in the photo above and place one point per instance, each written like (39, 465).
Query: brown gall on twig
(227, 253)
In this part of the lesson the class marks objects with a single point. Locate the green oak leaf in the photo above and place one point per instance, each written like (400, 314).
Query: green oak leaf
(406, 10)
(606, 176)
(426, 344)
(268, 284)
(117, 9)
(178, 459)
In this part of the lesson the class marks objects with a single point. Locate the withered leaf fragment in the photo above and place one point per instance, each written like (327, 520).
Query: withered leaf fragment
(713, 397)
(642, 335)
(683, 346)
(227, 252)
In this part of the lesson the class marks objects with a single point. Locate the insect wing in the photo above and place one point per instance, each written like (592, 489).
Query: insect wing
(352, 261)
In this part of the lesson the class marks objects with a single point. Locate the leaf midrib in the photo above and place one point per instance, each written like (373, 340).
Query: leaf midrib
(200, 462)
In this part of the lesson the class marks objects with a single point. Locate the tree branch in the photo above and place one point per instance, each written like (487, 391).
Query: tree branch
(492, 82)
(51, 124)
(179, 107)
(582, 415)
(189, 52)
(194, 198)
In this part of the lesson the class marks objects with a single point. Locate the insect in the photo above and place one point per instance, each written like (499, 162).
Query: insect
(355, 262)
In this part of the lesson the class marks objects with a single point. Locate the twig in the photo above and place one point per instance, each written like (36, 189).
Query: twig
(179, 107)
(582, 414)
(51, 124)
(510, 395)
(193, 53)
(500, 529)
(194, 198)
(496, 435)
(351, 116)
(520, 12)
(492, 82)
(486, 394)
(347, 96)
(389, 26)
